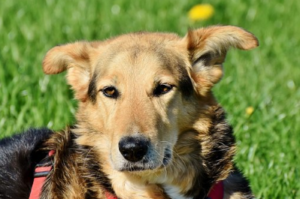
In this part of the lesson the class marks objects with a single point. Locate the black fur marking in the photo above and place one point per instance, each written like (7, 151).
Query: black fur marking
(223, 133)
(92, 90)
(18, 157)
(185, 84)
(95, 169)
(206, 58)
(90, 194)
(222, 139)
(238, 183)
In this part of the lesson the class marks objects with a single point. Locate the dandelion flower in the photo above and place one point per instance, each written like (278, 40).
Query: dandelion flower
(201, 12)
(249, 110)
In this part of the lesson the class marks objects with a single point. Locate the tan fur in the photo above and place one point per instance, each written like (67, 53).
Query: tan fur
(187, 119)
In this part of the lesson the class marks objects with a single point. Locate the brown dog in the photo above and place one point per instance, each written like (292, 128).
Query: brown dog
(148, 125)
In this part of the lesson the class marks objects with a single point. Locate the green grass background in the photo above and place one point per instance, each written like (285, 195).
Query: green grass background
(267, 78)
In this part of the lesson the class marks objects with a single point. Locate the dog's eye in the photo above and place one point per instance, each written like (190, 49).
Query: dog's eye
(110, 91)
(162, 89)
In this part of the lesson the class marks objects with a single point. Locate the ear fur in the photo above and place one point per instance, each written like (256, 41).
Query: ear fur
(76, 57)
(207, 49)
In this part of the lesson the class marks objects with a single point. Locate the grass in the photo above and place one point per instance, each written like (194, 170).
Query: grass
(267, 78)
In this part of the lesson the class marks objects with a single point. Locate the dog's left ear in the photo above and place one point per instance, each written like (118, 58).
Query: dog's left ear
(207, 49)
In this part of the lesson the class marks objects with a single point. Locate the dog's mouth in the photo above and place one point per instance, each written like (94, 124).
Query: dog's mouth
(167, 157)
(148, 163)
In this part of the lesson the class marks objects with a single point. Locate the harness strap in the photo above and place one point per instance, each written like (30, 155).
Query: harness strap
(217, 191)
(40, 174)
(108, 195)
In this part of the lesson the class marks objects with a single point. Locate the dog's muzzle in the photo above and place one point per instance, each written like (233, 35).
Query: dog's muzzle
(138, 154)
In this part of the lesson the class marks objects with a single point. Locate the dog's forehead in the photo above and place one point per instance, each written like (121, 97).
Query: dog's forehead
(141, 52)
(144, 58)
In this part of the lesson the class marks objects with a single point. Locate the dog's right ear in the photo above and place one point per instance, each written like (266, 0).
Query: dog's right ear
(207, 51)
(76, 58)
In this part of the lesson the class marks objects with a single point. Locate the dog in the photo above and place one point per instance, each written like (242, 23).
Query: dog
(147, 125)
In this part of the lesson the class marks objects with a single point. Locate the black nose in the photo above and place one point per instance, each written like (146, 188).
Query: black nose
(133, 149)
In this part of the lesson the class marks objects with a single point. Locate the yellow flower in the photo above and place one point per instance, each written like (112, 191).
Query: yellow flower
(201, 12)
(249, 110)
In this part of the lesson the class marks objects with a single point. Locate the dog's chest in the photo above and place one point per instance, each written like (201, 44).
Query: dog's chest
(174, 192)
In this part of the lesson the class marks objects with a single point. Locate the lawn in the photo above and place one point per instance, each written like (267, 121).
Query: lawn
(266, 79)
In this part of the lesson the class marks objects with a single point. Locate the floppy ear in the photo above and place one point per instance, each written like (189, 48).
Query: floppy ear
(76, 58)
(207, 49)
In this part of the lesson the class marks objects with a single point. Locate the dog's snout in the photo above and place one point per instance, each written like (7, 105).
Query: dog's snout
(133, 149)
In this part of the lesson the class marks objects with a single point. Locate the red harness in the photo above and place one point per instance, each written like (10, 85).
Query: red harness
(41, 172)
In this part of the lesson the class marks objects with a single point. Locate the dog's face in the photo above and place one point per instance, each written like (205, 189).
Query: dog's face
(139, 92)
(133, 98)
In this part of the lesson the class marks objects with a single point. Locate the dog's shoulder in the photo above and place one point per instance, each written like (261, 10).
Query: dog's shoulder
(18, 157)
(77, 172)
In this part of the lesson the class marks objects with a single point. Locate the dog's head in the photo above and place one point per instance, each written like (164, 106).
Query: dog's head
(139, 92)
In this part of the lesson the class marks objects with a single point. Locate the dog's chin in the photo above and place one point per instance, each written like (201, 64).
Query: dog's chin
(137, 168)
(142, 168)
